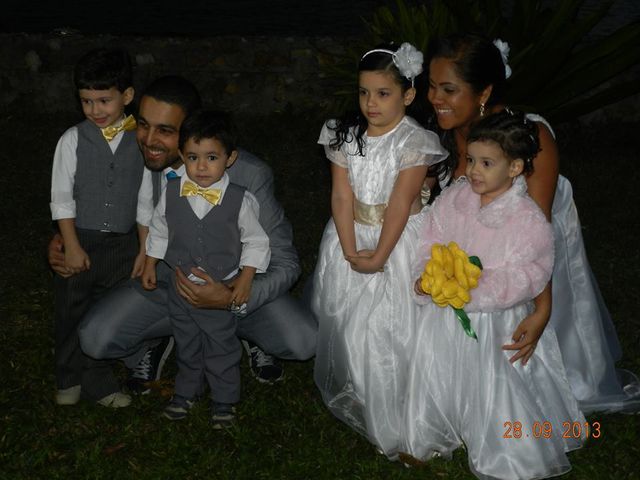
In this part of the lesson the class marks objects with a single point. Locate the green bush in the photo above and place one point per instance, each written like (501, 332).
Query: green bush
(559, 68)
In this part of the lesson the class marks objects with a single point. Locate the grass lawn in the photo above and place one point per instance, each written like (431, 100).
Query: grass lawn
(284, 430)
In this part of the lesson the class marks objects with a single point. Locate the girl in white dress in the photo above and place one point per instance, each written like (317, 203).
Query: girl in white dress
(362, 283)
(516, 421)
(467, 79)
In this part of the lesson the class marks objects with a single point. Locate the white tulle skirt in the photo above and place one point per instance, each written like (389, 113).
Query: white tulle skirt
(365, 337)
(586, 334)
(463, 392)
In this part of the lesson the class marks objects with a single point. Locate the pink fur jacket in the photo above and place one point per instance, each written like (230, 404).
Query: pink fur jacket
(510, 235)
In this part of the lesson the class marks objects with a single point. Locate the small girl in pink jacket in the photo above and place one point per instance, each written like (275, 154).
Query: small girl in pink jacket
(512, 418)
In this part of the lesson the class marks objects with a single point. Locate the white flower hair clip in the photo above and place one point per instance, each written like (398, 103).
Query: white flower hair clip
(408, 59)
(503, 48)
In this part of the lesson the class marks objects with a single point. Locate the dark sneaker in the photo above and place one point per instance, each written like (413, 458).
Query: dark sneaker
(178, 408)
(223, 416)
(149, 368)
(263, 366)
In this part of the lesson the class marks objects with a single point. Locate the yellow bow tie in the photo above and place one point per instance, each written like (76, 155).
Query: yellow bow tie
(127, 124)
(211, 195)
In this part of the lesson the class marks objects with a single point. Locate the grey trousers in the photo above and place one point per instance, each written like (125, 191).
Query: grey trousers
(206, 347)
(112, 257)
(126, 319)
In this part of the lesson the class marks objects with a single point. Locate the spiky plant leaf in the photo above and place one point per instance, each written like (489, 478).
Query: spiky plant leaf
(617, 92)
(557, 68)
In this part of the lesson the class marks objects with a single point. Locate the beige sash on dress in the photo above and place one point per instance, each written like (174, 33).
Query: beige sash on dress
(366, 214)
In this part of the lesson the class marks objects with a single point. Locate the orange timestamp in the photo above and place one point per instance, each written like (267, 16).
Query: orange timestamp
(515, 429)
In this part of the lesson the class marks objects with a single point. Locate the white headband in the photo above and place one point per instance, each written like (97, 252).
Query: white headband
(407, 59)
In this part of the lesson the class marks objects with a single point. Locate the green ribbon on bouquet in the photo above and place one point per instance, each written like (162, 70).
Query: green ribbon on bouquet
(463, 318)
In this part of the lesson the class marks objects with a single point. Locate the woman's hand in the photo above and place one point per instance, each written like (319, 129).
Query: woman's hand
(526, 336)
(530, 329)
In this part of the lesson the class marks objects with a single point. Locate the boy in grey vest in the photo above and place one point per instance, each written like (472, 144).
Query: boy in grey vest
(202, 220)
(99, 191)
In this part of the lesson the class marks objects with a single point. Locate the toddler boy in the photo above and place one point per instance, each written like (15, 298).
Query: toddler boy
(202, 220)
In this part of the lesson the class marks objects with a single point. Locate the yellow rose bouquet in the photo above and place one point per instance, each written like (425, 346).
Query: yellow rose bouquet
(448, 277)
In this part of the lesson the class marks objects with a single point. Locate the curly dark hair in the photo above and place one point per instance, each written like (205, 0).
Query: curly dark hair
(516, 136)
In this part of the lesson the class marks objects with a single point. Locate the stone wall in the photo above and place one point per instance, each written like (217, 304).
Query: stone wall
(253, 74)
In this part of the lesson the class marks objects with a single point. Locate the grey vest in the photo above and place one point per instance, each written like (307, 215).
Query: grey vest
(106, 184)
(212, 242)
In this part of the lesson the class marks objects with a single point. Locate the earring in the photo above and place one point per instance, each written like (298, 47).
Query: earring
(481, 110)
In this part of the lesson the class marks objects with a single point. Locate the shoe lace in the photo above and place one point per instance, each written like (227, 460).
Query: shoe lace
(262, 359)
(143, 369)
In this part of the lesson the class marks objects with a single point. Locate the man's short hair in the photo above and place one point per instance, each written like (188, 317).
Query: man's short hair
(175, 90)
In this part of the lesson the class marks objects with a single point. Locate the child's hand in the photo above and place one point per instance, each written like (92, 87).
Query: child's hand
(148, 278)
(241, 286)
(76, 259)
(365, 262)
(417, 287)
(55, 254)
(241, 289)
(138, 265)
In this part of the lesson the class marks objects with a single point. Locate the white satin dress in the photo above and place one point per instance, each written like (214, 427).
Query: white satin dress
(586, 334)
(366, 320)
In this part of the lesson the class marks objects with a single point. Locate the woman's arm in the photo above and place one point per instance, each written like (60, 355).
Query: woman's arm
(342, 209)
(541, 184)
(405, 190)
(528, 332)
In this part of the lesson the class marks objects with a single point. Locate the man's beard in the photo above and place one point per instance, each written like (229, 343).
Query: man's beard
(157, 165)
(160, 167)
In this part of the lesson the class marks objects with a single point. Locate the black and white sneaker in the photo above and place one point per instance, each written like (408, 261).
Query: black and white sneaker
(223, 416)
(149, 368)
(178, 408)
(263, 366)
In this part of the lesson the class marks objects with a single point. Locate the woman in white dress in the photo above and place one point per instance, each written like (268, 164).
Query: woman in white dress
(362, 283)
(467, 77)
